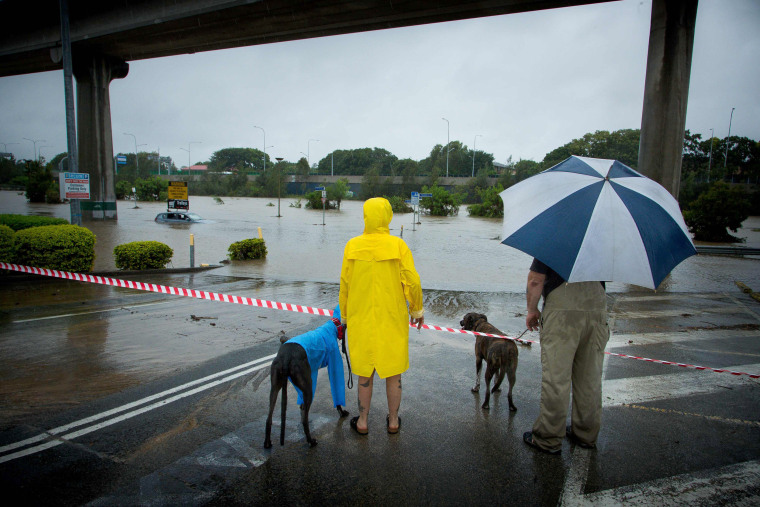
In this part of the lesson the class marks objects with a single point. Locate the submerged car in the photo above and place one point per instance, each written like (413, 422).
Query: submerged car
(178, 217)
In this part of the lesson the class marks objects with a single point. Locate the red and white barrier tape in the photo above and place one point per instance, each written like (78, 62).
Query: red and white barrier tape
(274, 305)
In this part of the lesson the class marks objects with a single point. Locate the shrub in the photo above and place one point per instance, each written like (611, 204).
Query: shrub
(63, 247)
(248, 249)
(716, 210)
(142, 255)
(491, 205)
(6, 243)
(18, 222)
(123, 189)
(443, 203)
(314, 201)
(398, 205)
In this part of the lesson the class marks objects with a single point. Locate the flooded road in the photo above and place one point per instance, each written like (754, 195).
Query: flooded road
(135, 377)
(64, 342)
(460, 253)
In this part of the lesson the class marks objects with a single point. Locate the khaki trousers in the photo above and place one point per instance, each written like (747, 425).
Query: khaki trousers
(574, 333)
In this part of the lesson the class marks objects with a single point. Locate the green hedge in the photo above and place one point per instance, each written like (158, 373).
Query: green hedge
(248, 249)
(6, 243)
(63, 247)
(19, 222)
(142, 255)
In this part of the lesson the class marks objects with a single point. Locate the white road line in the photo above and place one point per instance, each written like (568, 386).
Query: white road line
(58, 432)
(622, 339)
(706, 487)
(652, 314)
(624, 391)
(63, 316)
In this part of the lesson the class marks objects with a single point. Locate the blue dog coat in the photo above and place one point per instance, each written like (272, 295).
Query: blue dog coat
(321, 346)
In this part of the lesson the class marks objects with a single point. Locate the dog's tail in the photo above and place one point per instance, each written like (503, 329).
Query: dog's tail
(284, 410)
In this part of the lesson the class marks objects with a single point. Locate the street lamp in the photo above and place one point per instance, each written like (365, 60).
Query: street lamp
(308, 146)
(5, 146)
(188, 153)
(137, 162)
(265, 145)
(279, 183)
(39, 157)
(709, 165)
(728, 140)
(448, 128)
(473, 153)
(34, 143)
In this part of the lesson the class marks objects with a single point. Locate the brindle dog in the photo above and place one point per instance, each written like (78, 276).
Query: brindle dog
(500, 356)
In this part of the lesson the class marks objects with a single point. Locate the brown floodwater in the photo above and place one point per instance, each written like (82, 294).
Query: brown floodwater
(459, 253)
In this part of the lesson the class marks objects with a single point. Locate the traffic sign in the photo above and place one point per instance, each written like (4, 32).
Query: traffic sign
(177, 190)
(121, 159)
(319, 188)
(426, 195)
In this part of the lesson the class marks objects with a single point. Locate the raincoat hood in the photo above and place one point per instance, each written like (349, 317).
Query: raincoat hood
(377, 216)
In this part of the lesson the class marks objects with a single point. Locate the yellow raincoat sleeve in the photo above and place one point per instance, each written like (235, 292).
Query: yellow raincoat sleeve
(411, 283)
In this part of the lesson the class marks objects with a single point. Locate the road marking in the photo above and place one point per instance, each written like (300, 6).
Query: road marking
(625, 391)
(65, 315)
(690, 414)
(706, 487)
(60, 435)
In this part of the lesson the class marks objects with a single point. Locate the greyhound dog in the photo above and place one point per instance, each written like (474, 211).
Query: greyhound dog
(299, 359)
(500, 355)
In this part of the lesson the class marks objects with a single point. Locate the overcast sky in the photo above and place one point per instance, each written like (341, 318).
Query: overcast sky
(525, 83)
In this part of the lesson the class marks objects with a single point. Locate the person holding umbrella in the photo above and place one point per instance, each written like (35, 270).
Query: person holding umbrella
(585, 221)
(574, 333)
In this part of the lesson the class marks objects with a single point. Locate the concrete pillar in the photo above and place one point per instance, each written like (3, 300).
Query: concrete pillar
(666, 92)
(94, 74)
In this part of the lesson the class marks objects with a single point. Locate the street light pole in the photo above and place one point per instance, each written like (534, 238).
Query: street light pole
(265, 146)
(308, 146)
(137, 162)
(448, 141)
(473, 153)
(34, 144)
(279, 183)
(728, 140)
(709, 165)
(188, 153)
(5, 146)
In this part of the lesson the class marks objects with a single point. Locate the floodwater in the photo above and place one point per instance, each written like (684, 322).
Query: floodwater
(64, 342)
(459, 253)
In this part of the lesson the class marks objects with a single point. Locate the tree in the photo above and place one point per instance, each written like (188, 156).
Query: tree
(151, 188)
(337, 191)
(10, 169)
(443, 203)
(39, 180)
(721, 207)
(273, 181)
(491, 205)
(357, 162)
(621, 145)
(238, 159)
(371, 184)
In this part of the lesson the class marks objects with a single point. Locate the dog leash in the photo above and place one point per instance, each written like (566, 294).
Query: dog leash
(342, 338)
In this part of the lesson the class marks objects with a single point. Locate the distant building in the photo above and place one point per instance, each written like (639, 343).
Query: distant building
(195, 169)
(500, 168)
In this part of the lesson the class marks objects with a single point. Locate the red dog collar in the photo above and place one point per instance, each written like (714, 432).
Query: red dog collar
(341, 329)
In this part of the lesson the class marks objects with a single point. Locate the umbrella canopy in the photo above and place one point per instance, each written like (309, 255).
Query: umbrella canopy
(597, 220)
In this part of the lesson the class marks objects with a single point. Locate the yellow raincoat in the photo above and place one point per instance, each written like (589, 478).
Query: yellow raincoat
(376, 281)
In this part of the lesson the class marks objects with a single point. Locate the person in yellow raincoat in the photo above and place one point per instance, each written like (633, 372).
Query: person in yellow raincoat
(377, 281)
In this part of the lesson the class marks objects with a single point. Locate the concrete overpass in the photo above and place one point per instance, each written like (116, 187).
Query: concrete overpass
(105, 36)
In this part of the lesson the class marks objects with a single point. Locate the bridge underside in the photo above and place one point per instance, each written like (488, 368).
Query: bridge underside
(107, 35)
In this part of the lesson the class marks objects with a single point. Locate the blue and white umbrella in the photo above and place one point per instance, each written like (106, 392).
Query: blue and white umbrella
(593, 219)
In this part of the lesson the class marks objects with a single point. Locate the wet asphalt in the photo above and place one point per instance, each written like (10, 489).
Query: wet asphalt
(119, 397)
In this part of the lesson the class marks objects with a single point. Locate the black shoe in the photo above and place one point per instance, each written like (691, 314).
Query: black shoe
(528, 439)
(571, 436)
